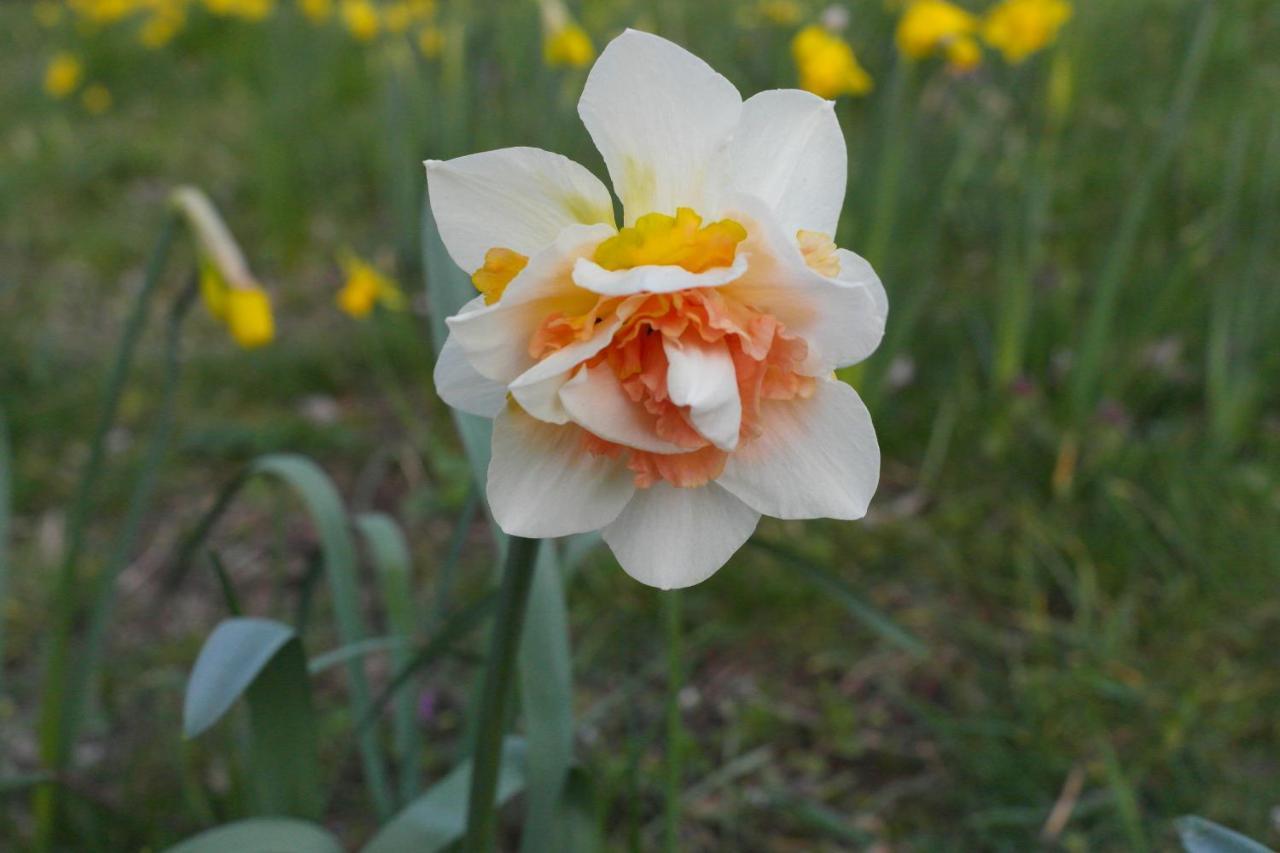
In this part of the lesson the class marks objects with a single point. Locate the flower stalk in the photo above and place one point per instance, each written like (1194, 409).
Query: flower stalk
(675, 725)
(513, 596)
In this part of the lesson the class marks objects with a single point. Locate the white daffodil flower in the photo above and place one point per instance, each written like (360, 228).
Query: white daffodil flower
(670, 381)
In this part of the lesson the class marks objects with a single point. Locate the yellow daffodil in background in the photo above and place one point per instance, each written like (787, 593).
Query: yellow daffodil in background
(431, 41)
(316, 11)
(249, 10)
(229, 291)
(936, 27)
(360, 17)
(827, 65)
(161, 26)
(96, 99)
(1019, 28)
(63, 75)
(565, 44)
(366, 287)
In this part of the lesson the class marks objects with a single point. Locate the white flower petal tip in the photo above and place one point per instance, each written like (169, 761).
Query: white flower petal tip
(660, 117)
(816, 458)
(462, 387)
(543, 483)
(513, 198)
(589, 275)
(672, 538)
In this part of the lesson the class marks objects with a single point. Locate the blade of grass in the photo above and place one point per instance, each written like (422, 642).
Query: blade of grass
(260, 834)
(1086, 372)
(1204, 836)
(54, 750)
(6, 480)
(390, 553)
(844, 594)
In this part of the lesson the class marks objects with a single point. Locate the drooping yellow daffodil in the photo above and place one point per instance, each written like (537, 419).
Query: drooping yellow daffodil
(229, 291)
(565, 44)
(931, 27)
(670, 381)
(361, 19)
(1019, 28)
(366, 287)
(827, 64)
(63, 75)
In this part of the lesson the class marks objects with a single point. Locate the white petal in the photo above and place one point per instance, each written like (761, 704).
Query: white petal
(496, 337)
(594, 399)
(661, 117)
(841, 319)
(537, 390)
(543, 483)
(789, 152)
(461, 386)
(515, 198)
(816, 458)
(651, 278)
(672, 538)
(702, 376)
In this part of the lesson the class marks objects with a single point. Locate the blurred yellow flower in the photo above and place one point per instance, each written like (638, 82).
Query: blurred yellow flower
(316, 11)
(63, 75)
(249, 10)
(96, 99)
(570, 46)
(431, 42)
(366, 287)
(929, 26)
(963, 54)
(229, 291)
(827, 65)
(161, 27)
(564, 42)
(360, 17)
(1019, 28)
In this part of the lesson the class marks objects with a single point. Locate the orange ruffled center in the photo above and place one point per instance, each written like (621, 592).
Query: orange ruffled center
(765, 358)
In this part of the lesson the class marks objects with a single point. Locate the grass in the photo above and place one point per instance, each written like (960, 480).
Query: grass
(1089, 562)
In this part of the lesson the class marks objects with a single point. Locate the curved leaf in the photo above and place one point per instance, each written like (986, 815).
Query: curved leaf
(232, 657)
(1204, 836)
(262, 835)
(438, 818)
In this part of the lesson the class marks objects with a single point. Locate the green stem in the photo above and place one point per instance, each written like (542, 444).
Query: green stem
(675, 727)
(54, 751)
(508, 624)
(5, 509)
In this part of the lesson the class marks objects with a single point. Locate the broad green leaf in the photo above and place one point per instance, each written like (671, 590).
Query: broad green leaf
(390, 553)
(329, 516)
(438, 818)
(836, 587)
(233, 656)
(262, 835)
(546, 693)
(263, 661)
(1204, 836)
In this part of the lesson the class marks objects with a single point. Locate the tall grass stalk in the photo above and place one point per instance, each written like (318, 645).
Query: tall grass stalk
(1086, 373)
(6, 511)
(55, 751)
(513, 598)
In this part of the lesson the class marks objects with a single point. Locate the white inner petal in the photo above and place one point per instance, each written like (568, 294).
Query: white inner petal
(701, 376)
(652, 278)
(595, 401)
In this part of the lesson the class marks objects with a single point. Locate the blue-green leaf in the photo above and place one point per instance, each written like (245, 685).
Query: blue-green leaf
(262, 835)
(1204, 836)
(438, 818)
(233, 656)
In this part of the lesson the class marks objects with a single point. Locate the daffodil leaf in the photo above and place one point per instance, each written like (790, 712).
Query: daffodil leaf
(262, 835)
(1204, 836)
